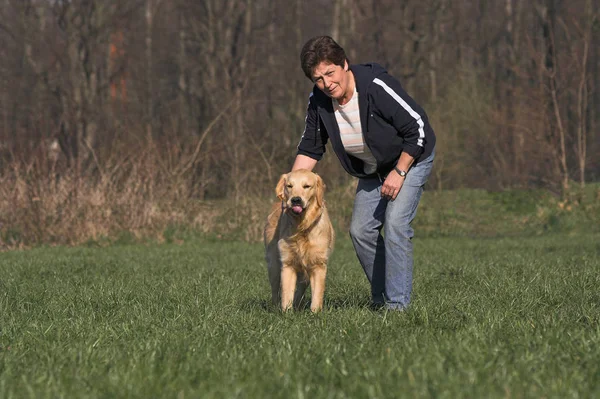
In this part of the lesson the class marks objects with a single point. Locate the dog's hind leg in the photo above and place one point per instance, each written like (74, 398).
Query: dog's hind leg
(275, 287)
(274, 269)
(301, 286)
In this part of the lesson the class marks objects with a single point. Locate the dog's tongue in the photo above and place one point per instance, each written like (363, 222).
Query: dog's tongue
(297, 209)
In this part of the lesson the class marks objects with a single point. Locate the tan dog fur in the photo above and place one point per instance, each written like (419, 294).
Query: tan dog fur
(298, 246)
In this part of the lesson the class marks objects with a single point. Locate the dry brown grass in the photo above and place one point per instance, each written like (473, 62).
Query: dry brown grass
(154, 192)
(142, 192)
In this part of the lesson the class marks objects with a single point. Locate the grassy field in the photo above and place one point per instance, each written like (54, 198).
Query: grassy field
(512, 317)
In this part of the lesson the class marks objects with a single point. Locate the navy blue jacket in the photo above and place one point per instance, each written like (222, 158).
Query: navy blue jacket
(392, 123)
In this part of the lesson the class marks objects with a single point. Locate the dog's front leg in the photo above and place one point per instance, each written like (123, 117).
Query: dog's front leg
(288, 286)
(317, 287)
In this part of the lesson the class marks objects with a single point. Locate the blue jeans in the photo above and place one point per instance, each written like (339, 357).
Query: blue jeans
(388, 260)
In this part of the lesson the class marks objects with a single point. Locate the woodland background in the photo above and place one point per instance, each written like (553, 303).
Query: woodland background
(135, 115)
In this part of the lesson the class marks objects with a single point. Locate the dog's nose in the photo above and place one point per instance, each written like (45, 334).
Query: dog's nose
(296, 201)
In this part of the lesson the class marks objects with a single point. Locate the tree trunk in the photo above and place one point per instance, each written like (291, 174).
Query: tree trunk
(335, 20)
(557, 132)
(582, 97)
(184, 119)
(149, 67)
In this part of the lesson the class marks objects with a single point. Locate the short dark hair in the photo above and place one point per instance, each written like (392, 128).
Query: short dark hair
(321, 49)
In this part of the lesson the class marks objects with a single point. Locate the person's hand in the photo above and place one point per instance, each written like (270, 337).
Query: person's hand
(392, 185)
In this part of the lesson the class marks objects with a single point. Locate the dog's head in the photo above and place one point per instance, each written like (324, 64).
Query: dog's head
(300, 191)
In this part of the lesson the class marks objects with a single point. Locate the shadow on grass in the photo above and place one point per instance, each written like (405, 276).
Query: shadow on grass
(256, 304)
(337, 303)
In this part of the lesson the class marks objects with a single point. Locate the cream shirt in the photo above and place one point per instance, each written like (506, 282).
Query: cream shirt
(348, 119)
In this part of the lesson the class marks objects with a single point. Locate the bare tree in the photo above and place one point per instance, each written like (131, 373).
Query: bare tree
(582, 90)
(215, 86)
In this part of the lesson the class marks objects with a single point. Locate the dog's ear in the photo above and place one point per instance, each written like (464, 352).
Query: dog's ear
(320, 191)
(280, 189)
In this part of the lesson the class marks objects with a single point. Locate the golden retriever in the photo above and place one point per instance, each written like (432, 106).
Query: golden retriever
(298, 240)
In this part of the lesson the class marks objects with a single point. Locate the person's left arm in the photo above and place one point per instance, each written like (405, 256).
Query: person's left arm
(409, 119)
(394, 181)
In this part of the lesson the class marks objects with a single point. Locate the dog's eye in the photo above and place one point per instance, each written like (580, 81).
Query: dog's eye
(307, 186)
(289, 186)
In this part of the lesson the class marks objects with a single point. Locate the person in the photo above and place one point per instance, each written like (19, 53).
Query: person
(382, 137)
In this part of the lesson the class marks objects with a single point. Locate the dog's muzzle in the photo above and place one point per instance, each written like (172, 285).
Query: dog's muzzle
(297, 205)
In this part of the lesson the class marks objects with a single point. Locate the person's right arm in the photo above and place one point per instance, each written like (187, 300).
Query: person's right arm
(312, 144)
(304, 162)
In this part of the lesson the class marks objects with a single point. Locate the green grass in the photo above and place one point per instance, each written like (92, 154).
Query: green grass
(504, 317)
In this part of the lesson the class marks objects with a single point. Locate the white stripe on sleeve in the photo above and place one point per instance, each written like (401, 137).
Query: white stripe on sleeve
(407, 107)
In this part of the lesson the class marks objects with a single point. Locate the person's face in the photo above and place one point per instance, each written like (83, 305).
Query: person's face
(331, 79)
